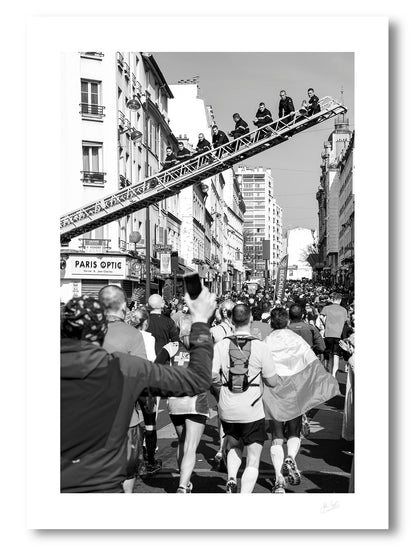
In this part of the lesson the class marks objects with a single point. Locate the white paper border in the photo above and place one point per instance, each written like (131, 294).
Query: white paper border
(368, 39)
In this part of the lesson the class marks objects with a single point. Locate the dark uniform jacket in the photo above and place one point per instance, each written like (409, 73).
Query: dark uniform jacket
(314, 106)
(183, 155)
(219, 139)
(263, 118)
(170, 161)
(241, 128)
(98, 393)
(202, 146)
(286, 107)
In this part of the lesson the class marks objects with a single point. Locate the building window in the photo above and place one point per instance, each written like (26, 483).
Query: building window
(92, 163)
(91, 100)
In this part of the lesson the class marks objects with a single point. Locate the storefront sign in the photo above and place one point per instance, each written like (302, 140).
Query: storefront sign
(96, 266)
(165, 264)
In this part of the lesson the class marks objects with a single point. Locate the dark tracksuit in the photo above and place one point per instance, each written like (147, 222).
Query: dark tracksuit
(219, 139)
(314, 106)
(263, 118)
(98, 393)
(286, 108)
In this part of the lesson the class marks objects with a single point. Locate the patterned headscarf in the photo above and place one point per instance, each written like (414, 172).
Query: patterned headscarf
(84, 318)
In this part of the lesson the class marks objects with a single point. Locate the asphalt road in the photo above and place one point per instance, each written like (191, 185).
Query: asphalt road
(324, 458)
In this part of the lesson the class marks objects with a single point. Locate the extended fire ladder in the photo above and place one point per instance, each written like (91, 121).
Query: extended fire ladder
(168, 183)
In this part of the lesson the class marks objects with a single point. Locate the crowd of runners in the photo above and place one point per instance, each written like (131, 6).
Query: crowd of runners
(266, 363)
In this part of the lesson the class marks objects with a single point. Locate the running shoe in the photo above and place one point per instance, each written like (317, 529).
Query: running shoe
(220, 463)
(279, 486)
(142, 470)
(231, 486)
(155, 467)
(183, 490)
(293, 471)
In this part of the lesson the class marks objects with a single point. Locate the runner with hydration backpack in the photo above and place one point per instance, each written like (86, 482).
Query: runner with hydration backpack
(240, 366)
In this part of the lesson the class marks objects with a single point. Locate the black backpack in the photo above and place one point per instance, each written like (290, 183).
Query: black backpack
(239, 351)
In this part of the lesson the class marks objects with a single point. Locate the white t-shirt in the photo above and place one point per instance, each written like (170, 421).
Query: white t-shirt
(220, 331)
(149, 343)
(237, 407)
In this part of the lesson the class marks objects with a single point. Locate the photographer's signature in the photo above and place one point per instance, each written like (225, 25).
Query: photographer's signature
(329, 506)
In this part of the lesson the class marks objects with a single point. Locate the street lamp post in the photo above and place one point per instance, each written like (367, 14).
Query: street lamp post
(135, 104)
(146, 167)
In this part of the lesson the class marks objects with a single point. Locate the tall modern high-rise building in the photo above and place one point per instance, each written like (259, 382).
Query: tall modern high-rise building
(262, 221)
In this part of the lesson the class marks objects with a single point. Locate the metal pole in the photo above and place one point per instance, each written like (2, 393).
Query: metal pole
(146, 167)
(266, 277)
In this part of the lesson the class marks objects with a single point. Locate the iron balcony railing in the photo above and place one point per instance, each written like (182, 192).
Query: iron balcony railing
(93, 110)
(93, 177)
(95, 244)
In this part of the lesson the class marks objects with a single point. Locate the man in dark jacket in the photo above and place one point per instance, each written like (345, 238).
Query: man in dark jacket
(262, 118)
(314, 106)
(183, 153)
(241, 127)
(307, 331)
(286, 109)
(98, 391)
(202, 147)
(170, 159)
(218, 138)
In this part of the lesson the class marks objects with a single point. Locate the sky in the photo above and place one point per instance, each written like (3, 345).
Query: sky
(237, 82)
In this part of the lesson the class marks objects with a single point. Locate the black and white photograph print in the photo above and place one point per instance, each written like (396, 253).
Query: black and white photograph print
(207, 163)
(211, 267)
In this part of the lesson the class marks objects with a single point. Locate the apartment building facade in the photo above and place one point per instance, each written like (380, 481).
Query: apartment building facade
(331, 194)
(115, 133)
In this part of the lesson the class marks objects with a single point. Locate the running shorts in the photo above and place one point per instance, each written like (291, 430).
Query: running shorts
(332, 346)
(247, 432)
(179, 419)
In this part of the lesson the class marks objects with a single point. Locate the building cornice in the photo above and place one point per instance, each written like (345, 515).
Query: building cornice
(150, 63)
